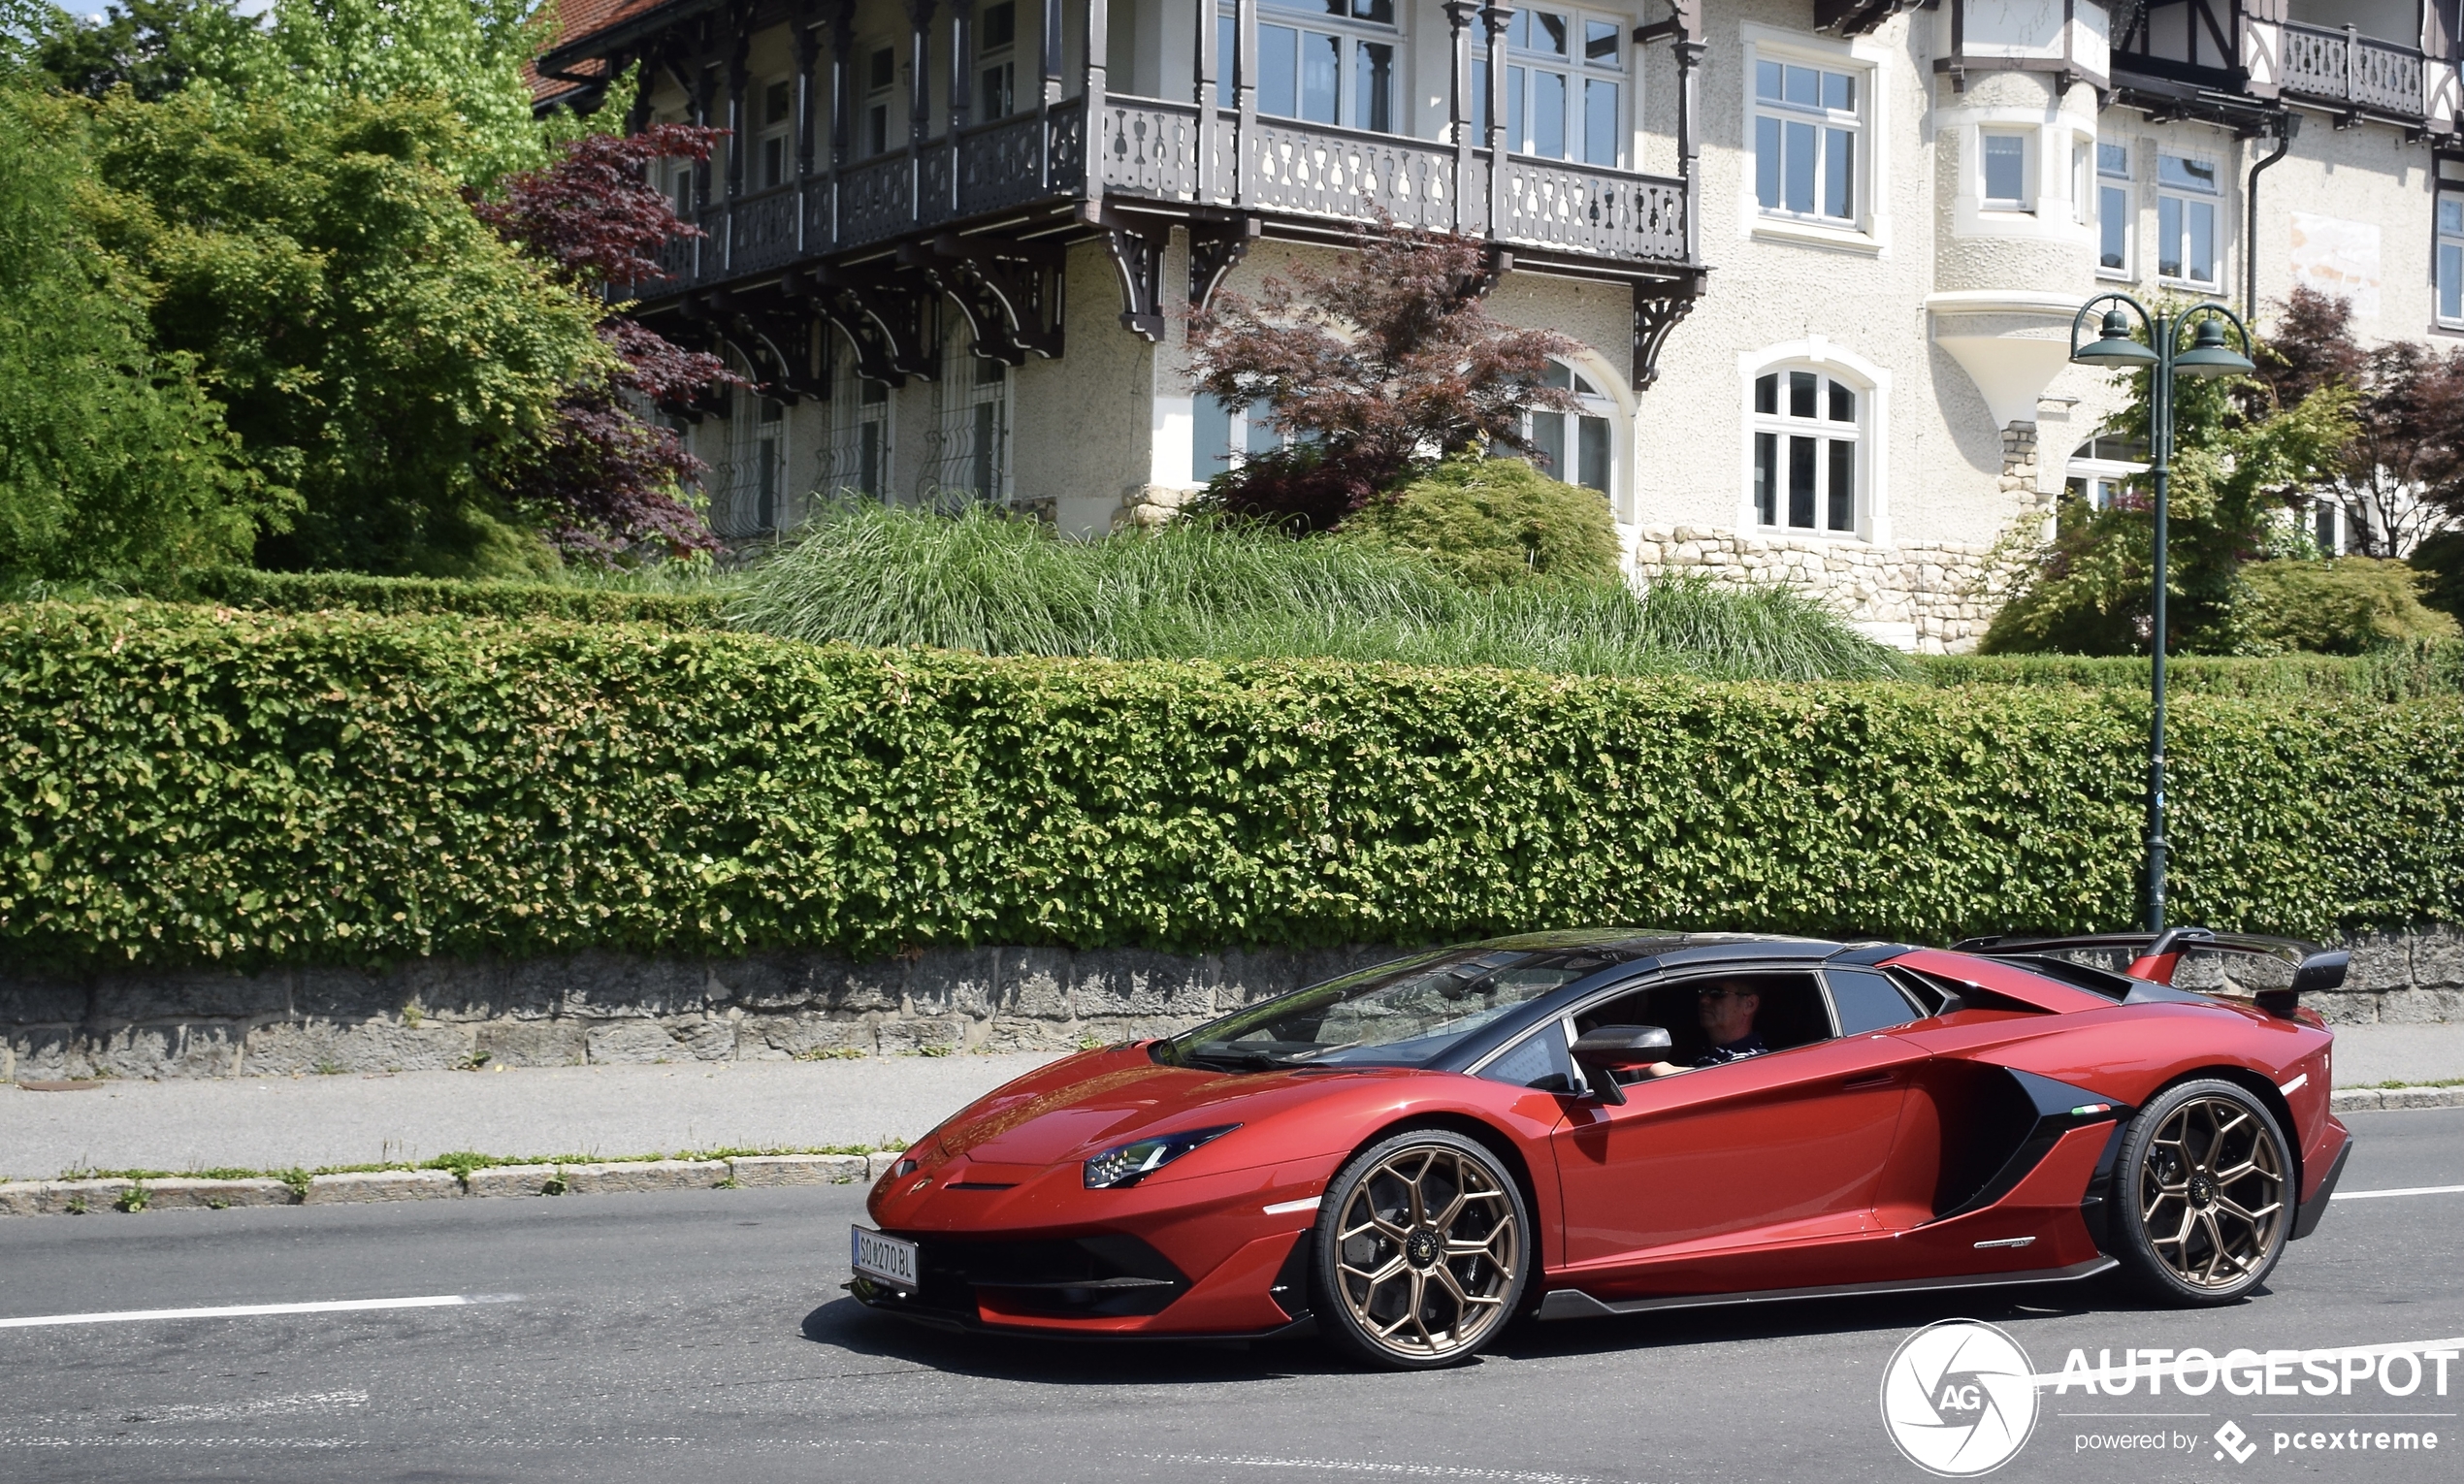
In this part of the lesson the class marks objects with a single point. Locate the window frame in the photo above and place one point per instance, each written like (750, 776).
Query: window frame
(879, 120)
(1867, 61)
(1783, 427)
(2031, 142)
(2187, 197)
(1597, 406)
(1574, 67)
(1349, 32)
(998, 58)
(2113, 191)
(2446, 256)
(774, 137)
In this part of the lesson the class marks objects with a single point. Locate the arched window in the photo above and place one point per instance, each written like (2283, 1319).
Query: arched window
(1577, 447)
(1809, 454)
(968, 456)
(2104, 467)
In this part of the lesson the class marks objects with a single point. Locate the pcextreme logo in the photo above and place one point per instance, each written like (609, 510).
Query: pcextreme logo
(1959, 1397)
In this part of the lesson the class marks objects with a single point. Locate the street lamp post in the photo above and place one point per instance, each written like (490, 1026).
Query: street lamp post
(2163, 357)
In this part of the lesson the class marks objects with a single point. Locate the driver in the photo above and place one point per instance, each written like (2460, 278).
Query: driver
(1725, 1010)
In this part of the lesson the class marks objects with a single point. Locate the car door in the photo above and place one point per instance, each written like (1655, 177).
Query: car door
(1722, 1160)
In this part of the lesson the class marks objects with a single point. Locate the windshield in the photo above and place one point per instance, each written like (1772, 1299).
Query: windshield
(1386, 1017)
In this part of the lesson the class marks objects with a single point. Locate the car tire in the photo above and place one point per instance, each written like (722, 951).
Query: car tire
(1422, 1252)
(2203, 1195)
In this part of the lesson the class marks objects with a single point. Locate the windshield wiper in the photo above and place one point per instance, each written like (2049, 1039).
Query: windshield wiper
(1229, 1055)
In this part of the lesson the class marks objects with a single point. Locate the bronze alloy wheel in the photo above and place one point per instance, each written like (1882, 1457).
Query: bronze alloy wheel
(1422, 1242)
(2211, 1191)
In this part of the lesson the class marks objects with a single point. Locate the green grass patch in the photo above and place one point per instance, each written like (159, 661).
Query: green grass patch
(878, 576)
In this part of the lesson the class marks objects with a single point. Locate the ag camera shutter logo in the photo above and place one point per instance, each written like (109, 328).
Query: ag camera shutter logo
(1959, 1397)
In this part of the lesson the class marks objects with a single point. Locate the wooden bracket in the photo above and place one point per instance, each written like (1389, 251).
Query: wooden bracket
(1658, 309)
(1010, 292)
(892, 321)
(1136, 252)
(1215, 249)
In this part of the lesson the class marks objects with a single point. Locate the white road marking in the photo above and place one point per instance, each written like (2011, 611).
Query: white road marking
(1351, 1465)
(1287, 1208)
(303, 1401)
(2372, 1195)
(242, 1310)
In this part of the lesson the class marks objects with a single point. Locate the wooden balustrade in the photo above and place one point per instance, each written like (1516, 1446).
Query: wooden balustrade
(2344, 66)
(1150, 149)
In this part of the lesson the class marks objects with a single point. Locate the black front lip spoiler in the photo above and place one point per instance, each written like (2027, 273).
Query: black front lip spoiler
(888, 1301)
(2305, 1219)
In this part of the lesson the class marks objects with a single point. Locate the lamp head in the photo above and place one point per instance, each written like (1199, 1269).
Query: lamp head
(2209, 357)
(2115, 348)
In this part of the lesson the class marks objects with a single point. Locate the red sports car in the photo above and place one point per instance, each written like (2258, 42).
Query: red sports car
(1602, 1123)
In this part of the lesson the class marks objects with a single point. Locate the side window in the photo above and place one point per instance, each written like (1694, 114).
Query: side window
(1866, 1001)
(1788, 1012)
(1539, 1060)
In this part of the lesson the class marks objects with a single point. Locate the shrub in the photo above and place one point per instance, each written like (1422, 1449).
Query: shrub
(187, 787)
(2401, 672)
(311, 592)
(2441, 559)
(2345, 606)
(866, 575)
(1493, 522)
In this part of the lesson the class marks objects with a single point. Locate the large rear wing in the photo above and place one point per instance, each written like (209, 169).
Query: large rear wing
(2274, 972)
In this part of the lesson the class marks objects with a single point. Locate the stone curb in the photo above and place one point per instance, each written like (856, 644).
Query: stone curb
(381, 1186)
(2373, 1099)
(799, 1169)
(58, 1198)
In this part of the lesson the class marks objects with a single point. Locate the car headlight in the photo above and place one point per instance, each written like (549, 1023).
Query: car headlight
(1131, 1163)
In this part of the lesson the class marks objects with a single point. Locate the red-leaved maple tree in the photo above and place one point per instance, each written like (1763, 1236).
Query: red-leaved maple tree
(2401, 478)
(1370, 370)
(603, 479)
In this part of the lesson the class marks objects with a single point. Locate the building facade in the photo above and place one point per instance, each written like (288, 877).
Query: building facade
(1821, 256)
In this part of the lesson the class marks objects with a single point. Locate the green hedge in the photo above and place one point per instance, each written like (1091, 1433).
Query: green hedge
(2398, 672)
(316, 592)
(182, 787)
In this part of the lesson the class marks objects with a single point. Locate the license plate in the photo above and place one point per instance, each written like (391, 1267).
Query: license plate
(885, 1258)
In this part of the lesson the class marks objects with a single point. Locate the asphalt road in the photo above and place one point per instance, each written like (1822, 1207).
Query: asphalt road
(703, 1336)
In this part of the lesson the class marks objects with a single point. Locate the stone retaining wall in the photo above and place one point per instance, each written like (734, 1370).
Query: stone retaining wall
(1930, 597)
(602, 1009)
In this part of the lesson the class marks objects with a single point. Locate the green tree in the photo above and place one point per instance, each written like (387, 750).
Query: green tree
(153, 47)
(376, 346)
(325, 56)
(113, 464)
(2241, 456)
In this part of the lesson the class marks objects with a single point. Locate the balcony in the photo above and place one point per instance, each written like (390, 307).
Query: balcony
(1170, 155)
(2345, 68)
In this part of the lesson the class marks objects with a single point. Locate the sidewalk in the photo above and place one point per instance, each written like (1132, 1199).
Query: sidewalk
(271, 1123)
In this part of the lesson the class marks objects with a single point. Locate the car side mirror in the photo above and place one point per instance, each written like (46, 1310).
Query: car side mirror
(1609, 1049)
